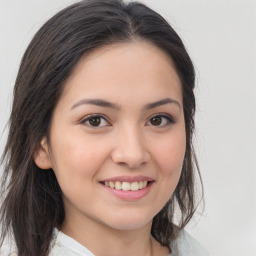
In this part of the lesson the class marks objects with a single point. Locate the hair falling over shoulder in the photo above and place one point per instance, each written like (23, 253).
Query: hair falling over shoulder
(32, 199)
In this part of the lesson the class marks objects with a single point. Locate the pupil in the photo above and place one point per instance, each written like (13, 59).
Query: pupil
(156, 120)
(94, 121)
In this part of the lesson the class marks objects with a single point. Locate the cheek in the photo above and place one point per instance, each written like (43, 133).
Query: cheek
(170, 155)
(76, 162)
(75, 158)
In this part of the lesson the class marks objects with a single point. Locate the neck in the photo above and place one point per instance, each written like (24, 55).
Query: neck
(102, 240)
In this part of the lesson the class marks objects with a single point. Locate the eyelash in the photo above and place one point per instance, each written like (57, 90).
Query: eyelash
(168, 118)
(87, 119)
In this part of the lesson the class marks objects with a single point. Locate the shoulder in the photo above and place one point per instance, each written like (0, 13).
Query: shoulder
(66, 246)
(8, 249)
(186, 245)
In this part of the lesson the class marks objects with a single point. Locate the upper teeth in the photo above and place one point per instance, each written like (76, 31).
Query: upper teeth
(134, 186)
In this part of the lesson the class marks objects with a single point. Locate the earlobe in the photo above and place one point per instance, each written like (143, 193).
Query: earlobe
(42, 157)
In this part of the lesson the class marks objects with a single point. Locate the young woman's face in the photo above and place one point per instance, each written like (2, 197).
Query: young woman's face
(117, 137)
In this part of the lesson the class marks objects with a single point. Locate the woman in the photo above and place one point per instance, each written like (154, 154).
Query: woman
(99, 153)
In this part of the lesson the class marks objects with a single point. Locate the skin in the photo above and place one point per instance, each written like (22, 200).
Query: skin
(127, 142)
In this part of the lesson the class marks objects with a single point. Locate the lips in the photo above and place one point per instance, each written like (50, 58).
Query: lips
(128, 187)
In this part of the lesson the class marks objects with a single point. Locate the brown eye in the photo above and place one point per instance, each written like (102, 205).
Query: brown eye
(161, 120)
(156, 121)
(95, 121)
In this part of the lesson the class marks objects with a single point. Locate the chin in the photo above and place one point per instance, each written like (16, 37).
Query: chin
(129, 222)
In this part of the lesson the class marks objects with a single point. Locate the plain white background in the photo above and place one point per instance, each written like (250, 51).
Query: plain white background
(220, 36)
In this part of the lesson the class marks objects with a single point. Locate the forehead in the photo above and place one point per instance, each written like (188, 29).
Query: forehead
(130, 68)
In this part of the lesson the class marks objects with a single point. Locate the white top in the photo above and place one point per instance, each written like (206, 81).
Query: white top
(63, 245)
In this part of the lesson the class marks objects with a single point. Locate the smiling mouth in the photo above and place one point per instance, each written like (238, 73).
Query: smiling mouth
(126, 186)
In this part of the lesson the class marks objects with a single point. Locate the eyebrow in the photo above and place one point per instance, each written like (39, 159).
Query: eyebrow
(107, 104)
(162, 102)
(96, 102)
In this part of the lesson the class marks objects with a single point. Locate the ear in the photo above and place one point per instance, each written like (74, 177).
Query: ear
(42, 157)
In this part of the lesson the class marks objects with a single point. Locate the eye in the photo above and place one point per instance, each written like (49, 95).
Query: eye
(160, 120)
(95, 121)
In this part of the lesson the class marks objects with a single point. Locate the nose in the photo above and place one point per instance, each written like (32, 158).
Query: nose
(130, 149)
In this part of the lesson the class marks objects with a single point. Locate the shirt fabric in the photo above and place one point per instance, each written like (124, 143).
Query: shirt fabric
(63, 245)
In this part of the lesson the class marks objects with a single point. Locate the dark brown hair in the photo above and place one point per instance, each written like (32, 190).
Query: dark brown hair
(33, 204)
